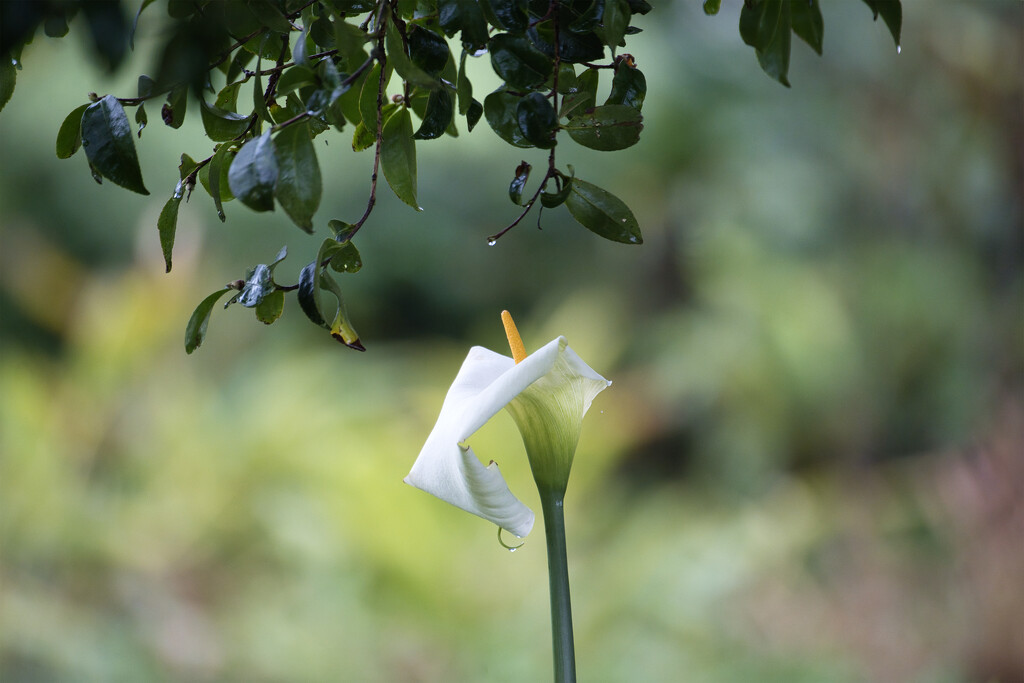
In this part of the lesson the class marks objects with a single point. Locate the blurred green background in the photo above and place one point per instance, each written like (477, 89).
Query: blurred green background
(809, 467)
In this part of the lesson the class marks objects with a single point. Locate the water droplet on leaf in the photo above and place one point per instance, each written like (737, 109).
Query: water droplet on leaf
(491, 243)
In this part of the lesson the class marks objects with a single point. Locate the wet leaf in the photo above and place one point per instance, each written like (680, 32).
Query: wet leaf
(515, 189)
(69, 136)
(141, 120)
(607, 128)
(253, 173)
(500, 110)
(195, 331)
(438, 116)
(342, 231)
(583, 96)
(602, 213)
(537, 120)
(427, 50)
(892, 14)
(214, 178)
(518, 62)
(299, 186)
(258, 284)
(550, 200)
(346, 259)
(464, 15)
(107, 139)
(398, 157)
(403, 64)
(173, 112)
(511, 14)
(629, 86)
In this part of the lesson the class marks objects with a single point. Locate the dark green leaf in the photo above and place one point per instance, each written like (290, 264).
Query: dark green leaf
(438, 116)
(629, 86)
(214, 177)
(253, 173)
(221, 125)
(550, 200)
(342, 231)
(146, 86)
(807, 22)
(270, 16)
(259, 101)
(603, 213)
(173, 112)
(614, 22)
(368, 96)
(518, 62)
(402, 64)
(537, 120)
(511, 14)
(308, 292)
(270, 307)
(464, 15)
(363, 138)
(295, 77)
(107, 139)
(227, 98)
(187, 165)
(476, 110)
(500, 110)
(299, 186)
(463, 86)
(349, 41)
(239, 62)
(583, 96)
(346, 259)
(607, 128)
(140, 118)
(69, 137)
(195, 331)
(766, 27)
(892, 15)
(109, 30)
(518, 184)
(167, 225)
(427, 50)
(398, 157)
(8, 78)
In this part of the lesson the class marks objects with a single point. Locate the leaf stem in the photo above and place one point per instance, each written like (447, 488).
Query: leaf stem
(563, 648)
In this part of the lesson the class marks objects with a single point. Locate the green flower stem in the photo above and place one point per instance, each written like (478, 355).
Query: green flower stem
(558, 576)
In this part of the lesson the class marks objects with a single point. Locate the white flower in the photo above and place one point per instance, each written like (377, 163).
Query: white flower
(547, 393)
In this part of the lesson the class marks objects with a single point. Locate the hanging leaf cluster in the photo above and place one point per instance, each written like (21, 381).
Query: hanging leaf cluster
(266, 78)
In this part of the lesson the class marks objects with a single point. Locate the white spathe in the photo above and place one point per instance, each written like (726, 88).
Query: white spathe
(550, 391)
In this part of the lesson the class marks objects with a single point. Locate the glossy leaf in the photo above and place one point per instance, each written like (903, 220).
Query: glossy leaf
(195, 331)
(299, 186)
(368, 96)
(511, 14)
(398, 157)
(500, 110)
(766, 27)
(466, 16)
(518, 184)
(476, 110)
(253, 173)
(294, 78)
(518, 62)
(308, 292)
(347, 258)
(258, 284)
(167, 225)
(537, 120)
(463, 86)
(403, 64)
(607, 128)
(107, 139)
(427, 50)
(614, 21)
(221, 125)
(629, 86)
(583, 96)
(550, 200)
(141, 120)
(69, 136)
(602, 213)
(438, 116)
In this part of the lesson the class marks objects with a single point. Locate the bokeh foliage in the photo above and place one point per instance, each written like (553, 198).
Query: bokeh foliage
(808, 467)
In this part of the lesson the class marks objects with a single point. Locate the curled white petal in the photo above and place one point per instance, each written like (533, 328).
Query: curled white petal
(487, 382)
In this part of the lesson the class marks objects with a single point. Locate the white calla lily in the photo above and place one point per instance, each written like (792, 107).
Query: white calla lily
(547, 393)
